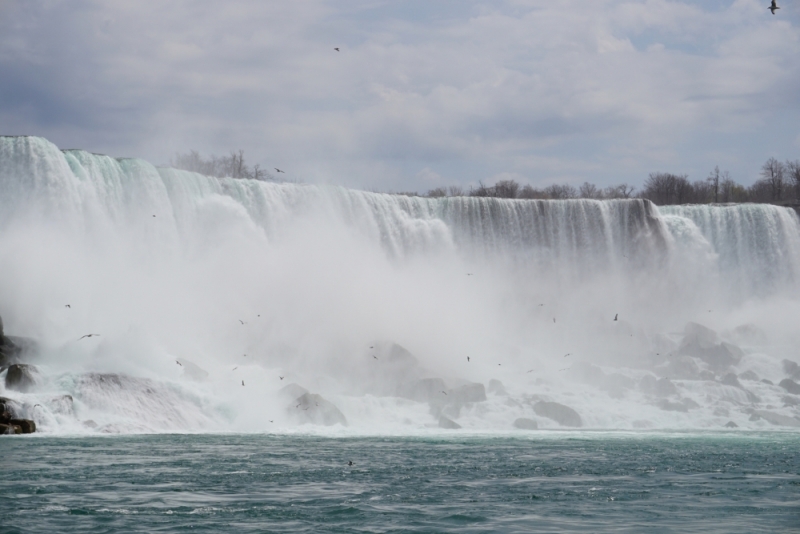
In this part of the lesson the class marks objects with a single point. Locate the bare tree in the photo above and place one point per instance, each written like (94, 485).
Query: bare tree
(772, 172)
(619, 191)
(439, 192)
(588, 190)
(455, 191)
(714, 179)
(530, 192)
(561, 191)
(506, 189)
(793, 176)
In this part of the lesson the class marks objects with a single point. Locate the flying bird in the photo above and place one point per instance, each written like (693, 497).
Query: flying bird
(242, 321)
(554, 319)
(469, 274)
(444, 392)
(567, 354)
(67, 306)
(235, 368)
(467, 359)
(773, 6)
(179, 363)
(270, 420)
(374, 356)
(351, 461)
(88, 335)
(340, 51)
(616, 316)
(530, 371)
(280, 377)
(278, 170)
(242, 382)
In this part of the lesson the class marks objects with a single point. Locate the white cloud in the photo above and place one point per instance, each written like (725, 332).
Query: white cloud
(599, 90)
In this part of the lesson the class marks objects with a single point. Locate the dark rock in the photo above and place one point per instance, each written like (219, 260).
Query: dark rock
(731, 380)
(777, 419)
(447, 423)
(683, 367)
(702, 342)
(9, 409)
(21, 377)
(789, 400)
(683, 406)
(467, 393)
(791, 369)
(563, 415)
(424, 390)
(767, 382)
(89, 423)
(749, 375)
(496, 387)
(523, 423)
(705, 374)
(26, 425)
(312, 408)
(731, 424)
(790, 385)
(10, 429)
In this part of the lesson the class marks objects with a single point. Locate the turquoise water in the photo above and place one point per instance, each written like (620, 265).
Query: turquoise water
(263, 483)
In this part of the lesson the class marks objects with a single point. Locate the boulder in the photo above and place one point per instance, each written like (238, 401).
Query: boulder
(424, 390)
(730, 380)
(731, 424)
(683, 367)
(523, 423)
(702, 342)
(497, 388)
(790, 385)
(21, 377)
(776, 418)
(26, 425)
(563, 415)
(467, 393)
(312, 408)
(9, 429)
(791, 369)
(447, 423)
(749, 375)
(8, 409)
(789, 400)
(683, 406)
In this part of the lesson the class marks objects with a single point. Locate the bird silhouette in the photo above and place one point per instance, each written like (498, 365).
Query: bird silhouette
(351, 461)
(67, 306)
(467, 359)
(554, 319)
(235, 368)
(179, 363)
(530, 371)
(444, 392)
(242, 382)
(280, 377)
(773, 7)
(278, 170)
(567, 354)
(242, 321)
(88, 335)
(340, 51)
(374, 356)
(270, 420)
(616, 316)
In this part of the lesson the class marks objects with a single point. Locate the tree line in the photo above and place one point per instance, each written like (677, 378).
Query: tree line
(231, 166)
(778, 183)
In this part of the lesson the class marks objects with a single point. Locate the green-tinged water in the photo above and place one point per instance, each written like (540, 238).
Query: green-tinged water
(262, 483)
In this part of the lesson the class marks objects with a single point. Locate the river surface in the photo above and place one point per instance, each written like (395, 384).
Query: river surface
(541, 482)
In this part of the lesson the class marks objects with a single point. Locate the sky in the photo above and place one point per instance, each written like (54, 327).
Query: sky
(422, 94)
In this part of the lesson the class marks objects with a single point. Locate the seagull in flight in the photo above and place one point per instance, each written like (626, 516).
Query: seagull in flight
(242, 382)
(88, 335)
(337, 49)
(773, 6)
(280, 377)
(467, 359)
(67, 306)
(278, 170)
(242, 321)
(616, 316)
(179, 363)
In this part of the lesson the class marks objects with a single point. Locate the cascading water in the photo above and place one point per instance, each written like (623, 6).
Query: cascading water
(211, 295)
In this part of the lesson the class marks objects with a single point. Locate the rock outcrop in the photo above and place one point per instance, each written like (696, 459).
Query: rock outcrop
(496, 387)
(563, 415)
(790, 385)
(10, 422)
(776, 418)
(21, 377)
(523, 423)
(314, 409)
(702, 342)
(792, 369)
(424, 390)
(445, 422)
